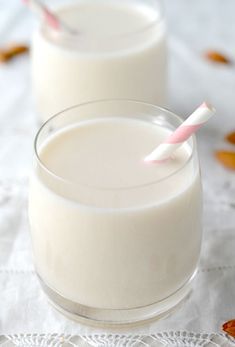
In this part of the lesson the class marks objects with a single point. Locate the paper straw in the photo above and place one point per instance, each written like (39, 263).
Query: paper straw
(52, 20)
(194, 122)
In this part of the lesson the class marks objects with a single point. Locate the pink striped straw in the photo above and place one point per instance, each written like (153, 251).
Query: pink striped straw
(52, 20)
(194, 122)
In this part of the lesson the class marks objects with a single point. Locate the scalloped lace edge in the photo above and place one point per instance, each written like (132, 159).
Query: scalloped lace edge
(170, 338)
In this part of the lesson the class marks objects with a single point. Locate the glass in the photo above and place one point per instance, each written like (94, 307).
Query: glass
(87, 271)
(127, 62)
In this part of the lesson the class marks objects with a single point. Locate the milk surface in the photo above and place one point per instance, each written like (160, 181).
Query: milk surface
(119, 52)
(110, 231)
(108, 18)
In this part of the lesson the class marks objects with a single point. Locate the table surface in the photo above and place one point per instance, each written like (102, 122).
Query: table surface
(194, 27)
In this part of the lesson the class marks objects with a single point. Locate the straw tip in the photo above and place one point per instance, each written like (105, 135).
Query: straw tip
(147, 160)
(208, 106)
(150, 161)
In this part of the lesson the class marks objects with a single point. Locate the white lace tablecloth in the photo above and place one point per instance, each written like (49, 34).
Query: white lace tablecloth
(25, 315)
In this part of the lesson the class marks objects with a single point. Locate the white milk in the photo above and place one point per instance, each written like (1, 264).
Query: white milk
(119, 53)
(112, 231)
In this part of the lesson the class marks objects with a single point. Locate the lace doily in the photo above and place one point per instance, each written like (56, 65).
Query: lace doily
(179, 339)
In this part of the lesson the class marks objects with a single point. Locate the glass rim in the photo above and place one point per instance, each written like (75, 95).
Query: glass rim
(128, 187)
(72, 36)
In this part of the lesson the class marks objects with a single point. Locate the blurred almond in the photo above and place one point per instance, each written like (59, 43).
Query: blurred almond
(229, 327)
(11, 52)
(3, 56)
(217, 57)
(227, 158)
(231, 137)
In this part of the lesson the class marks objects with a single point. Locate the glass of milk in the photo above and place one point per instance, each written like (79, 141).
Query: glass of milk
(119, 51)
(116, 240)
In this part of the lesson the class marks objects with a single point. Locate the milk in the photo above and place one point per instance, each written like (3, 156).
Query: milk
(119, 52)
(109, 230)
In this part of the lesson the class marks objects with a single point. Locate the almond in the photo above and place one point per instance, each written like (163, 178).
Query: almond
(227, 158)
(217, 57)
(11, 52)
(231, 137)
(3, 56)
(229, 327)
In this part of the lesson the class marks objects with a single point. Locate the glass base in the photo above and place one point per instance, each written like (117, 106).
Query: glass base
(117, 317)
